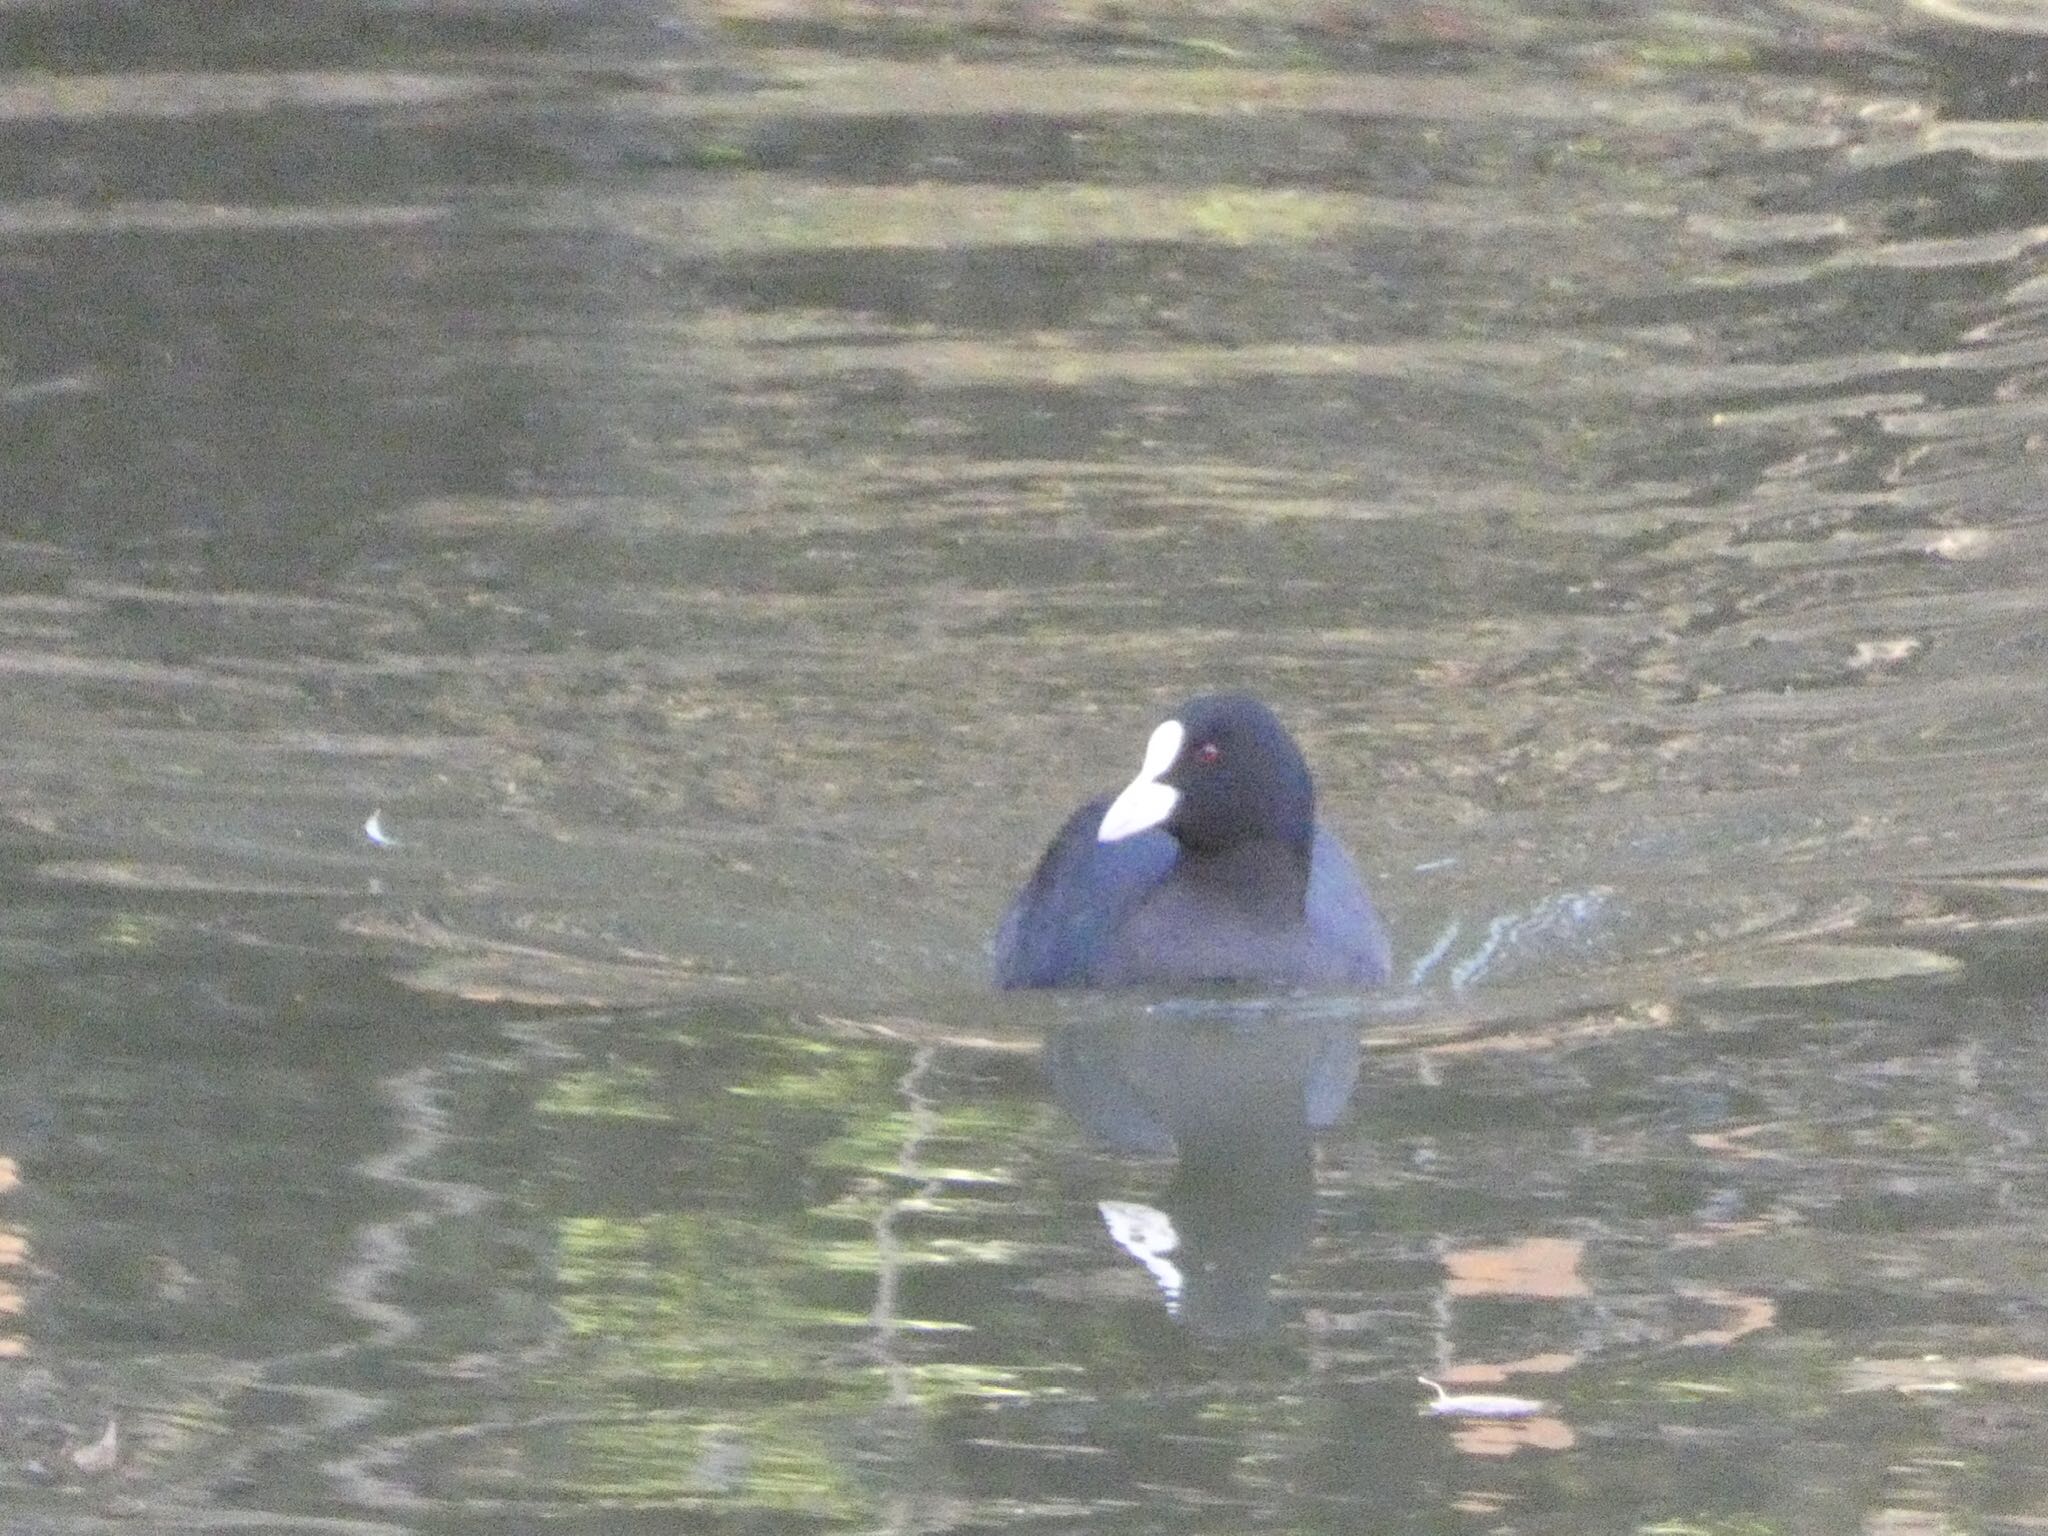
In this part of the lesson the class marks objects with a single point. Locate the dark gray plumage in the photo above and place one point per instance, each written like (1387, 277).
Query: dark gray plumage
(1209, 867)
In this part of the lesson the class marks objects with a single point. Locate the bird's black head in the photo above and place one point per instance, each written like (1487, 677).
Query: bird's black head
(1222, 772)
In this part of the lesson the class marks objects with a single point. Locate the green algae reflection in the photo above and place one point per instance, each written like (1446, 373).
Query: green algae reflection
(722, 1348)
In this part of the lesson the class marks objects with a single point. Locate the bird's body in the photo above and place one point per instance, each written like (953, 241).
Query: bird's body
(1208, 867)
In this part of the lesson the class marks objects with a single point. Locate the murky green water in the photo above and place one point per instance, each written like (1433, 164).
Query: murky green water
(719, 485)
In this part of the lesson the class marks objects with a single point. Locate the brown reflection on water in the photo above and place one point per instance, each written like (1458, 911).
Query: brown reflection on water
(1486, 1437)
(1546, 1268)
(13, 1254)
(1747, 1315)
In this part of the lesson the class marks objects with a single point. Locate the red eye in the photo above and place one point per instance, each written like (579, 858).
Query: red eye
(1208, 752)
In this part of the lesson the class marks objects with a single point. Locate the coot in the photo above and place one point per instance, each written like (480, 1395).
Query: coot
(1208, 867)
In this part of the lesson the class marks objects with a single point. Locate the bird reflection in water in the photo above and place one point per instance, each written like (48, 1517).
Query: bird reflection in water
(1236, 1092)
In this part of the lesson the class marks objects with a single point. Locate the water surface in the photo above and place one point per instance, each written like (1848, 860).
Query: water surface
(717, 486)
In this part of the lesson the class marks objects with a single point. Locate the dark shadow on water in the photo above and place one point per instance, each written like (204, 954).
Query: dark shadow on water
(1235, 1097)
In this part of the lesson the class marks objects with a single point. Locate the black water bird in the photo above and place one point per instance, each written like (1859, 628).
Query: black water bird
(1207, 867)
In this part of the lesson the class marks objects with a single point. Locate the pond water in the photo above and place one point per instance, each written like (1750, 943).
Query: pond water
(557, 564)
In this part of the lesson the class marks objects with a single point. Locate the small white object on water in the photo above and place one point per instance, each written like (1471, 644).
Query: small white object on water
(102, 1454)
(373, 829)
(1147, 1235)
(1479, 1405)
